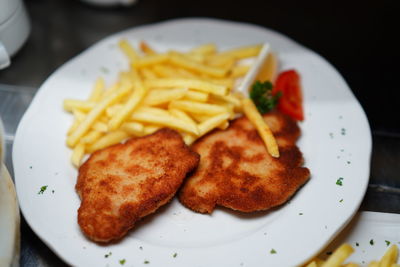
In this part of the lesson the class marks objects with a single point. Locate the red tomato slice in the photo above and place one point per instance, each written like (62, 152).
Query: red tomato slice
(291, 101)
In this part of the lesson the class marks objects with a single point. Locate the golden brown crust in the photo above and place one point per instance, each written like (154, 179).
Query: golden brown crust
(237, 172)
(122, 183)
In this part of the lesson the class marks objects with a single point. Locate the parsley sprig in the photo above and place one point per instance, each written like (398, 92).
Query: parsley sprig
(261, 94)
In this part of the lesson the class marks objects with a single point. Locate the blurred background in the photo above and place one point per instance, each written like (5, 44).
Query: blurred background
(357, 37)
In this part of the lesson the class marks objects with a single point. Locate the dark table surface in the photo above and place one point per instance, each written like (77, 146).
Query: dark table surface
(358, 39)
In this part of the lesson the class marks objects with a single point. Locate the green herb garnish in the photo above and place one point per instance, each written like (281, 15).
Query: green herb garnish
(261, 94)
(107, 255)
(339, 181)
(371, 242)
(175, 254)
(273, 251)
(387, 242)
(122, 262)
(42, 189)
(146, 262)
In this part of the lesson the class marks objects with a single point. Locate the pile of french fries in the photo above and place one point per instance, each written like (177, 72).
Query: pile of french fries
(191, 92)
(340, 255)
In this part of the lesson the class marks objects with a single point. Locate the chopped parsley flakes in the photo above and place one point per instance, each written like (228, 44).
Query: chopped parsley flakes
(273, 251)
(122, 262)
(371, 242)
(175, 254)
(146, 262)
(261, 94)
(387, 242)
(108, 255)
(42, 189)
(339, 181)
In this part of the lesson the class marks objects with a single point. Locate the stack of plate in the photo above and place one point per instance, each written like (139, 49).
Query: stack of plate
(9, 219)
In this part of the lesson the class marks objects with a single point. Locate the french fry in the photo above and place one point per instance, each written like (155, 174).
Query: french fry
(95, 113)
(205, 49)
(73, 127)
(223, 126)
(196, 96)
(133, 128)
(183, 116)
(146, 73)
(112, 110)
(107, 140)
(165, 71)
(228, 99)
(149, 129)
(100, 126)
(188, 138)
(150, 60)
(212, 123)
(91, 137)
(312, 264)
(130, 105)
(200, 117)
(128, 50)
(146, 48)
(78, 114)
(389, 257)
(163, 120)
(239, 71)
(221, 61)
(71, 104)
(108, 92)
(339, 256)
(373, 264)
(197, 108)
(184, 62)
(199, 58)
(97, 90)
(161, 96)
(241, 52)
(77, 154)
(188, 83)
(263, 130)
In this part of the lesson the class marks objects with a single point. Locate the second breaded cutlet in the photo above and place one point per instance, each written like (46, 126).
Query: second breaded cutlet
(237, 172)
(121, 184)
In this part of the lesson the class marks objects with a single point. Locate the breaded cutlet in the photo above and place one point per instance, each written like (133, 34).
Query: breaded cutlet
(121, 184)
(237, 172)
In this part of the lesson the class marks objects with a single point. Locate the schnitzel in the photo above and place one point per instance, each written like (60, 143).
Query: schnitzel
(120, 184)
(237, 172)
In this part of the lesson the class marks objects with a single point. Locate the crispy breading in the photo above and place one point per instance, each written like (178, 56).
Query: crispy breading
(120, 184)
(237, 172)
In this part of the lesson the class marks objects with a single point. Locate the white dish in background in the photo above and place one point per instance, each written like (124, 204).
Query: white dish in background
(336, 142)
(9, 221)
(370, 234)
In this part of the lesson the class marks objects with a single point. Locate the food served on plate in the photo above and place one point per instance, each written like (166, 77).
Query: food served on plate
(121, 184)
(340, 255)
(237, 172)
(242, 166)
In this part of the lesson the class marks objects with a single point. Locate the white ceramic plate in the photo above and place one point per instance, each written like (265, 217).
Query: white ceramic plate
(336, 142)
(370, 234)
